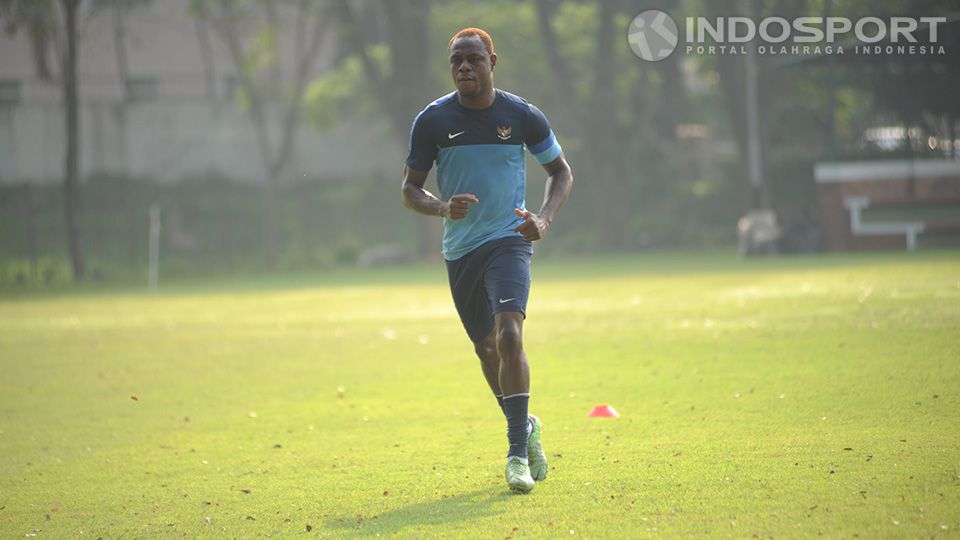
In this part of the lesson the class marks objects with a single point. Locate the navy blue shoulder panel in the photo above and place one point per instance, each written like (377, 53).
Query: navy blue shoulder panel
(445, 123)
(422, 151)
(503, 122)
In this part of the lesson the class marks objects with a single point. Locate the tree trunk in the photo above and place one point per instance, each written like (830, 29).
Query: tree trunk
(404, 91)
(613, 200)
(274, 153)
(71, 181)
(410, 58)
(206, 56)
(120, 50)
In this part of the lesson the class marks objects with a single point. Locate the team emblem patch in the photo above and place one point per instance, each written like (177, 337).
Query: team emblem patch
(504, 132)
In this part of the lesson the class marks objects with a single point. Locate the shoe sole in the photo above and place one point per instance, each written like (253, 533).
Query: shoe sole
(520, 490)
(541, 454)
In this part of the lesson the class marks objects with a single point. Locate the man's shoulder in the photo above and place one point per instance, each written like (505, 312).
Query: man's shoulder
(438, 105)
(513, 100)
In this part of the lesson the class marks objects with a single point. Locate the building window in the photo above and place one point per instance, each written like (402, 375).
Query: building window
(142, 89)
(10, 92)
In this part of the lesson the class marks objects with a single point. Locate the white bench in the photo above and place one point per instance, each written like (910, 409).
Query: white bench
(856, 204)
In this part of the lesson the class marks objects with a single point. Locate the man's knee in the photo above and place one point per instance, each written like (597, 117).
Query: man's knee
(486, 349)
(509, 339)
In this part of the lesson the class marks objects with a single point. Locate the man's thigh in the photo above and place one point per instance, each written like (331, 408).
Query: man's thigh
(507, 276)
(494, 278)
(469, 295)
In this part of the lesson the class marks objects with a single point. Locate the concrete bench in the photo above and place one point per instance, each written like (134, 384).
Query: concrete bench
(855, 205)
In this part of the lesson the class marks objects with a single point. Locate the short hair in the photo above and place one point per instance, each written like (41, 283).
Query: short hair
(474, 32)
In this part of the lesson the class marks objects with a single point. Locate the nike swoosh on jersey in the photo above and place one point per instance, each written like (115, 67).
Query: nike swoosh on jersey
(502, 301)
(455, 135)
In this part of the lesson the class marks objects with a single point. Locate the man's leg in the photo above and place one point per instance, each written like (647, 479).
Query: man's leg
(486, 350)
(490, 365)
(514, 378)
(515, 383)
(514, 373)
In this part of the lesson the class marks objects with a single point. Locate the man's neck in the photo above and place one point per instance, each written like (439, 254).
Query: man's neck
(481, 102)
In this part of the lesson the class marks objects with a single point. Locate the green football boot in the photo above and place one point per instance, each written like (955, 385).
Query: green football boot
(518, 475)
(535, 455)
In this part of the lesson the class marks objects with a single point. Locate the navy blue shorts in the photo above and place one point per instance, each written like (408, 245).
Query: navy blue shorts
(494, 278)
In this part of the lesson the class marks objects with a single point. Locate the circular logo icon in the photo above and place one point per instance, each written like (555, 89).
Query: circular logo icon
(652, 35)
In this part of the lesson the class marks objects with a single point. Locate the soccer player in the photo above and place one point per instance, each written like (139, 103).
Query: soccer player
(477, 135)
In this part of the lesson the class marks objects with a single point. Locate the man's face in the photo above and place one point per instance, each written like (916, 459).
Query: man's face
(471, 66)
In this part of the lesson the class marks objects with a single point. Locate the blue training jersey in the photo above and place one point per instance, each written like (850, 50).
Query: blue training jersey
(481, 152)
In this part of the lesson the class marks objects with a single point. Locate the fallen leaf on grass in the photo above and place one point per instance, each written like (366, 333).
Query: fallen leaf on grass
(848, 449)
(309, 527)
(135, 398)
(245, 490)
(251, 518)
(386, 493)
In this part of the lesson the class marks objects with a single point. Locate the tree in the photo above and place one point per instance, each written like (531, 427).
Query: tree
(270, 98)
(403, 89)
(71, 182)
(46, 21)
(613, 114)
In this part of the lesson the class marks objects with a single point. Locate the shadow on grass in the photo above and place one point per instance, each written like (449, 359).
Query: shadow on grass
(455, 509)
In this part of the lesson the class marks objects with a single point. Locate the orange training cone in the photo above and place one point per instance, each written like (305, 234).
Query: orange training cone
(603, 411)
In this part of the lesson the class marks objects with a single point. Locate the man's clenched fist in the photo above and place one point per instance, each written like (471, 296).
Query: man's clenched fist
(458, 206)
(533, 227)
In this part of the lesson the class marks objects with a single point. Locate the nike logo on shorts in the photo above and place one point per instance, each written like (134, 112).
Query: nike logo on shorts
(504, 301)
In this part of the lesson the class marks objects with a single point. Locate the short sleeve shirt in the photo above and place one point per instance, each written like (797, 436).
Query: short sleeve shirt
(481, 152)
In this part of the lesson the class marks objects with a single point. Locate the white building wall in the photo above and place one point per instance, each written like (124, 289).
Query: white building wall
(182, 133)
(167, 142)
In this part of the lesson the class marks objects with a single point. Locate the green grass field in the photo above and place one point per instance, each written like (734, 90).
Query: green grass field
(788, 397)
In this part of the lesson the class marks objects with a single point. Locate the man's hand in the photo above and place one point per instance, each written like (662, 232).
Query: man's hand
(457, 207)
(533, 227)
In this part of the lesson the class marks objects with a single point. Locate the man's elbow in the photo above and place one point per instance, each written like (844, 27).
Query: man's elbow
(567, 174)
(405, 197)
(403, 194)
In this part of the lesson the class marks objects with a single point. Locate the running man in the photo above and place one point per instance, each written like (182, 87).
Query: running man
(477, 135)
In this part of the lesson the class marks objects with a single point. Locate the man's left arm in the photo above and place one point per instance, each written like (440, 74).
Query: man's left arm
(559, 185)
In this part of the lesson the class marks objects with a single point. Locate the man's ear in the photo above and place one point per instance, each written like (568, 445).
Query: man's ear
(493, 61)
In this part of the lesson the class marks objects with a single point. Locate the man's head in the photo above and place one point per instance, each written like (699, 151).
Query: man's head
(472, 60)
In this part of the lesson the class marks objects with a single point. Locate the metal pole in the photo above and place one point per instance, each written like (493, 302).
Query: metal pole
(753, 121)
(153, 271)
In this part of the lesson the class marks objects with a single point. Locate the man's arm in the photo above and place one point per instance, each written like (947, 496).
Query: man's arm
(559, 185)
(420, 200)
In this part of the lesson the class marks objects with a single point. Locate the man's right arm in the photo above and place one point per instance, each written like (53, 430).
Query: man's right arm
(420, 200)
